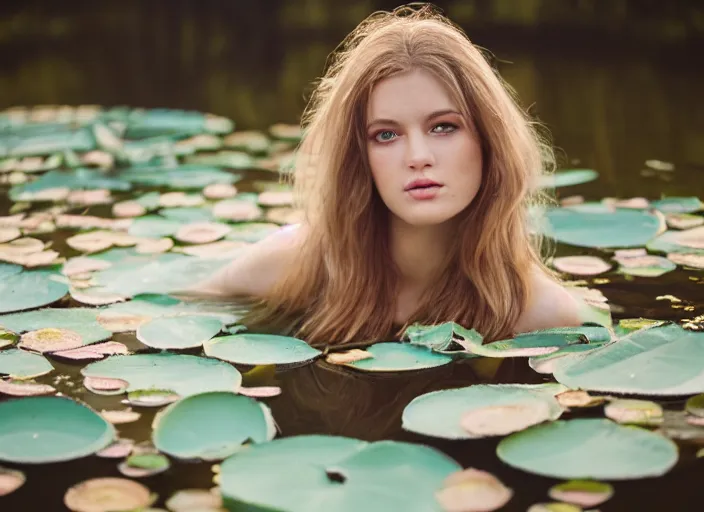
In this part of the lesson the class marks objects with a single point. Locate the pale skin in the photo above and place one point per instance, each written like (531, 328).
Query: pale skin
(415, 131)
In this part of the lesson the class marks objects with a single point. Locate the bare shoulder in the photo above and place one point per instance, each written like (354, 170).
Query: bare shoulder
(550, 305)
(259, 267)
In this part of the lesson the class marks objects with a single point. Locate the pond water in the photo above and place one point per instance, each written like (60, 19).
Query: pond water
(608, 108)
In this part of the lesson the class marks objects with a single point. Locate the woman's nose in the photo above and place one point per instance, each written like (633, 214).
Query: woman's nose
(419, 155)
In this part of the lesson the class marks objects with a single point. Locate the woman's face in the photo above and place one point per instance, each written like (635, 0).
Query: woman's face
(425, 158)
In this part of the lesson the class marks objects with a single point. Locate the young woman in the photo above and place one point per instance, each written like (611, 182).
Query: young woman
(415, 174)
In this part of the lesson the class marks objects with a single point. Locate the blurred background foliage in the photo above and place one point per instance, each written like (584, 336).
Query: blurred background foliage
(616, 81)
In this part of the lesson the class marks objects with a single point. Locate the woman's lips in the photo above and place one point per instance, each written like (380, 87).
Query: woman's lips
(424, 193)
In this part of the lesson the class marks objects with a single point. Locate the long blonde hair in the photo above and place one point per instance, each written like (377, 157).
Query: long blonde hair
(342, 286)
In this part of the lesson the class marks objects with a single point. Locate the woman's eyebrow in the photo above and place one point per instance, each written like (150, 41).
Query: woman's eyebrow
(433, 115)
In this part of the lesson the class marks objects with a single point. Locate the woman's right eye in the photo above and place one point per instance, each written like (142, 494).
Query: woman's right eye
(384, 136)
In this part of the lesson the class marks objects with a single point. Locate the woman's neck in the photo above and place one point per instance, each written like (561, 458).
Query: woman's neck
(420, 253)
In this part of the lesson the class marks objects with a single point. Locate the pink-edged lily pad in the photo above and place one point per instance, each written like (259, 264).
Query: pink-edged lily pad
(348, 356)
(10, 480)
(585, 493)
(50, 340)
(260, 391)
(202, 232)
(117, 450)
(581, 265)
(118, 417)
(473, 490)
(105, 494)
(20, 388)
(105, 386)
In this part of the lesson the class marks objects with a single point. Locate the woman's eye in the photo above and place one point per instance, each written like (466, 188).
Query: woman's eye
(384, 136)
(444, 128)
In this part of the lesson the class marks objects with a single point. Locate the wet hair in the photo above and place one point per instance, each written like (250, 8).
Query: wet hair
(342, 285)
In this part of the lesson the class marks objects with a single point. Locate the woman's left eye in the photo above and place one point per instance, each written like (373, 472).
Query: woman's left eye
(444, 128)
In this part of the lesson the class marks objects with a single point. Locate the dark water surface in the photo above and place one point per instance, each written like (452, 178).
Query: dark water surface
(610, 105)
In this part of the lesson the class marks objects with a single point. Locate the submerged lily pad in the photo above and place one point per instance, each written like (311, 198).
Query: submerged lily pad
(50, 429)
(106, 494)
(178, 332)
(304, 473)
(211, 426)
(19, 364)
(30, 289)
(83, 321)
(664, 360)
(183, 374)
(439, 413)
(589, 448)
(255, 349)
(599, 227)
(398, 357)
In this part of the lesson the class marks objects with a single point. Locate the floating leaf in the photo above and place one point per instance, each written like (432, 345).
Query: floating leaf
(10, 480)
(19, 364)
(152, 397)
(581, 265)
(183, 374)
(678, 204)
(568, 178)
(105, 386)
(335, 473)
(554, 507)
(683, 220)
(578, 398)
(439, 413)
(473, 490)
(237, 210)
(585, 493)
(695, 405)
(158, 246)
(255, 349)
(50, 429)
(440, 337)
(82, 321)
(260, 391)
(8, 234)
(120, 417)
(143, 465)
(347, 356)
(119, 449)
(500, 420)
(687, 260)
(128, 208)
(188, 500)
(396, 357)
(669, 242)
(107, 494)
(82, 264)
(210, 426)
(645, 266)
(20, 388)
(589, 448)
(178, 332)
(153, 226)
(188, 214)
(50, 340)
(665, 360)
(30, 289)
(181, 177)
(220, 191)
(593, 227)
(636, 412)
(252, 231)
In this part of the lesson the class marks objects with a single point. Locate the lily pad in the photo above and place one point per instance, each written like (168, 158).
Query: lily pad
(178, 332)
(664, 360)
(634, 412)
(439, 413)
(678, 204)
(695, 405)
(153, 226)
(183, 374)
(581, 265)
(304, 473)
(38, 430)
(30, 289)
(19, 364)
(568, 178)
(211, 426)
(645, 266)
(589, 449)
(80, 320)
(473, 490)
(585, 493)
(181, 177)
(251, 231)
(10, 480)
(398, 357)
(188, 213)
(105, 494)
(440, 337)
(669, 242)
(255, 349)
(596, 227)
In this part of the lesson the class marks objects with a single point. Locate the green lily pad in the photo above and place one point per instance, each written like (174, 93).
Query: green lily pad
(251, 231)
(647, 266)
(440, 337)
(211, 426)
(439, 413)
(255, 349)
(10, 269)
(178, 332)
(80, 320)
(183, 374)
(547, 363)
(695, 405)
(153, 226)
(30, 289)
(568, 178)
(668, 242)
(398, 357)
(600, 228)
(665, 360)
(188, 214)
(589, 448)
(19, 364)
(37, 430)
(181, 177)
(678, 204)
(76, 179)
(586, 493)
(224, 158)
(305, 473)
(7, 338)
